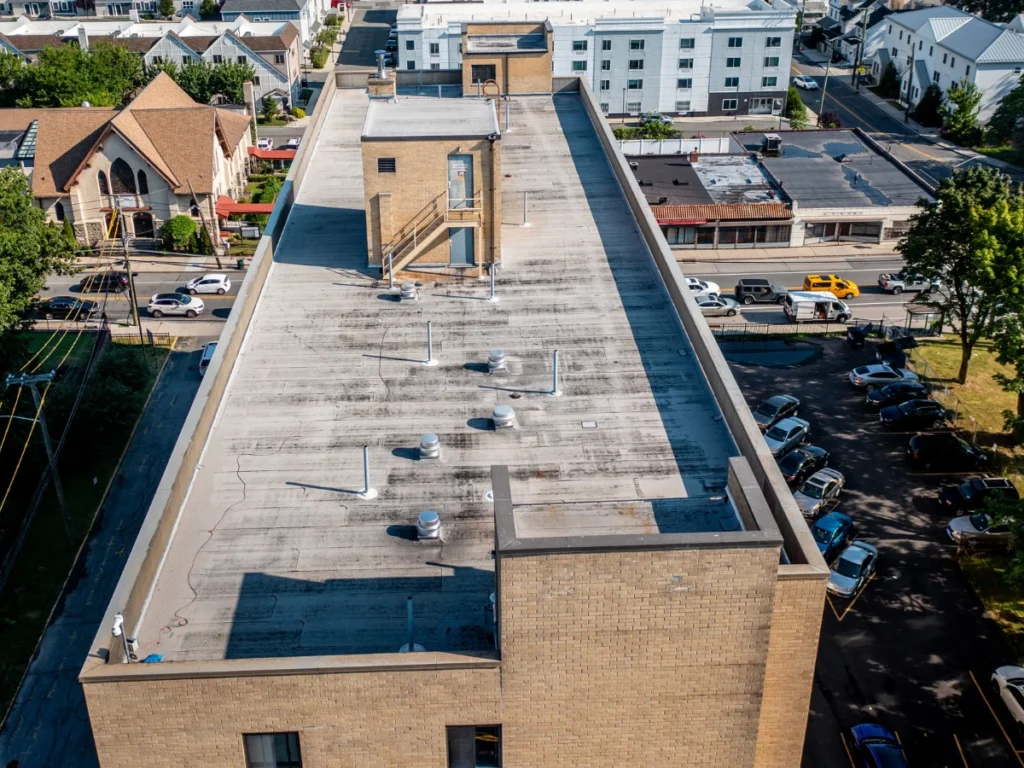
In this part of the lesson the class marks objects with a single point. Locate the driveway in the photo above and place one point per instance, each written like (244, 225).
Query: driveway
(903, 652)
(368, 33)
(48, 725)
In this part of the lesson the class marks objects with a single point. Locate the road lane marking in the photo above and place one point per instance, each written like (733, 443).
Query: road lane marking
(999, 722)
(846, 748)
(961, 751)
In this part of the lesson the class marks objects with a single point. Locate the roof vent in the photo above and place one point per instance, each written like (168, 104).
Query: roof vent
(634, 164)
(496, 360)
(408, 292)
(428, 525)
(430, 447)
(503, 416)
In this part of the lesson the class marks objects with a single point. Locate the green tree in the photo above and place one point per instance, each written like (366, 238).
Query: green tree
(1003, 122)
(66, 76)
(889, 82)
(68, 232)
(795, 112)
(166, 66)
(12, 70)
(30, 249)
(166, 8)
(928, 111)
(960, 112)
(178, 232)
(194, 79)
(327, 36)
(1008, 341)
(271, 110)
(228, 78)
(965, 239)
(205, 244)
(207, 8)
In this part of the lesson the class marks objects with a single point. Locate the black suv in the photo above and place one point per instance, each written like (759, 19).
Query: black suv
(896, 393)
(973, 494)
(750, 290)
(105, 282)
(945, 451)
(64, 307)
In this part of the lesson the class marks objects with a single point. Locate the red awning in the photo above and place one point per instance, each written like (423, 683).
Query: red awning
(226, 206)
(272, 154)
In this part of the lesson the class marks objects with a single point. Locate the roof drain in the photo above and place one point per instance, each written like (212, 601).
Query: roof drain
(430, 447)
(503, 417)
(408, 292)
(428, 525)
(496, 361)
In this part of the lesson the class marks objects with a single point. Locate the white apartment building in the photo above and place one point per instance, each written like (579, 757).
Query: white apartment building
(944, 45)
(687, 58)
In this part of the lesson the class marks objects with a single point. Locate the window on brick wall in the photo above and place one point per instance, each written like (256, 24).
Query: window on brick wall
(272, 750)
(474, 746)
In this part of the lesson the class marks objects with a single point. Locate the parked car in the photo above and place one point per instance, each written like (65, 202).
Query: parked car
(806, 82)
(802, 462)
(945, 451)
(974, 493)
(655, 118)
(207, 356)
(775, 408)
(702, 287)
(898, 282)
(786, 434)
(877, 747)
(896, 393)
(815, 307)
(894, 353)
(391, 44)
(877, 375)
(1009, 684)
(68, 307)
(175, 304)
(293, 143)
(832, 533)
(265, 143)
(834, 284)
(980, 530)
(219, 284)
(714, 305)
(818, 491)
(104, 282)
(852, 569)
(751, 290)
(913, 414)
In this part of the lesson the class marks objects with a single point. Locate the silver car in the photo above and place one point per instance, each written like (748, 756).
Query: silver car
(786, 434)
(718, 306)
(871, 376)
(852, 569)
(818, 490)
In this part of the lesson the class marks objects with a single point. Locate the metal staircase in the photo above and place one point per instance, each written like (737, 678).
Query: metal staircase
(413, 240)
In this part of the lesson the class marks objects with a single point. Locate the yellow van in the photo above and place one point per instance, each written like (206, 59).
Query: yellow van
(844, 289)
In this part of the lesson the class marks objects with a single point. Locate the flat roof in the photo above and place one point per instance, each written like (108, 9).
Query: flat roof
(835, 169)
(413, 117)
(275, 555)
(713, 179)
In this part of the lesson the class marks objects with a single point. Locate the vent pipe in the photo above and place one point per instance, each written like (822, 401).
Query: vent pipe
(382, 73)
(430, 447)
(428, 525)
(496, 361)
(503, 417)
(408, 292)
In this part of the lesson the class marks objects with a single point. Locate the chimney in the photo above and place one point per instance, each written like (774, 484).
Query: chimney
(379, 84)
(83, 38)
(249, 95)
(694, 157)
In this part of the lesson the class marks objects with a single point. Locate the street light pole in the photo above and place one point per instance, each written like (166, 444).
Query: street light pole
(910, 86)
(824, 84)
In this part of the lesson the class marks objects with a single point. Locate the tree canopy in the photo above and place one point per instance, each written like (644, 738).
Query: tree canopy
(928, 111)
(795, 111)
(201, 80)
(993, 10)
(1003, 122)
(889, 82)
(106, 75)
(30, 248)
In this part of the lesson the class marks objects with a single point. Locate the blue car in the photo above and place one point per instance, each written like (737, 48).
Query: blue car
(877, 747)
(832, 532)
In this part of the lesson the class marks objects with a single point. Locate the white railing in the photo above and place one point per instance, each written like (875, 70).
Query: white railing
(719, 146)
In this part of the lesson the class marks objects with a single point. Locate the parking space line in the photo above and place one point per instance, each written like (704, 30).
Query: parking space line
(961, 751)
(1016, 752)
(835, 613)
(846, 748)
(840, 617)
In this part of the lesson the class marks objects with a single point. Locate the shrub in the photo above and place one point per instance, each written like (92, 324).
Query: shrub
(333, 20)
(795, 112)
(830, 121)
(318, 58)
(178, 232)
(889, 82)
(928, 111)
(298, 112)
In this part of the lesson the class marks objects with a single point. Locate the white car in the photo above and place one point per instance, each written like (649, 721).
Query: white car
(293, 143)
(713, 305)
(1009, 683)
(786, 434)
(852, 569)
(818, 490)
(175, 304)
(219, 284)
(806, 82)
(702, 287)
(871, 376)
(265, 143)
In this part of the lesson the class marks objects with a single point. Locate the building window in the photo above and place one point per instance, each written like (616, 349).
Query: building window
(185, 60)
(460, 49)
(967, 71)
(769, 82)
(686, 63)
(735, 42)
(952, 61)
(633, 106)
(606, 85)
(894, 51)
(935, 78)
(729, 105)
(272, 750)
(410, 45)
(606, 65)
(579, 45)
(682, 106)
(193, 207)
(122, 179)
(733, 63)
(915, 91)
(474, 746)
(58, 211)
(142, 223)
(256, 80)
(101, 177)
(606, 45)
(385, 165)
(410, 65)
(684, 82)
(435, 49)
(931, 50)
(143, 183)
(217, 58)
(579, 66)
(279, 58)
(636, 45)
(770, 62)
(636, 63)
(241, 59)
(687, 42)
(901, 34)
(944, 57)
(635, 85)
(920, 45)
(158, 59)
(890, 29)
(732, 82)
(773, 42)
(605, 107)
(435, 65)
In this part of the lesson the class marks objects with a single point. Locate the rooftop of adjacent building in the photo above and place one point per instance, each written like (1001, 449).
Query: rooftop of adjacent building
(835, 169)
(710, 180)
(126, 28)
(275, 554)
(408, 118)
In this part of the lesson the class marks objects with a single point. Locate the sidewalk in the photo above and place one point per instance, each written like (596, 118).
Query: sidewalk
(816, 251)
(174, 261)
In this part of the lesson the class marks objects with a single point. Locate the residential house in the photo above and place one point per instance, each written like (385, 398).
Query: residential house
(846, 24)
(944, 45)
(308, 15)
(86, 163)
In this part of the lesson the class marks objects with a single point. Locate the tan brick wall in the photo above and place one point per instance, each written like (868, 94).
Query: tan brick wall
(635, 658)
(421, 176)
(516, 72)
(792, 651)
(368, 720)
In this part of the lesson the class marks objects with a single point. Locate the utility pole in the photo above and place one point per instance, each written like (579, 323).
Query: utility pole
(133, 299)
(859, 60)
(824, 85)
(910, 86)
(25, 380)
(202, 218)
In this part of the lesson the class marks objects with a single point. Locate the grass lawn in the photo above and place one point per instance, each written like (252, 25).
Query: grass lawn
(1006, 154)
(47, 555)
(277, 121)
(1004, 603)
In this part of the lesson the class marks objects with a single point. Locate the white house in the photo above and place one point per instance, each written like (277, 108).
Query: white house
(847, 21)
(307, 15)
(944, 45)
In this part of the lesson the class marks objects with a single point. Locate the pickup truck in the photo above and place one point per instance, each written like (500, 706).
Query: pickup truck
(898, 282)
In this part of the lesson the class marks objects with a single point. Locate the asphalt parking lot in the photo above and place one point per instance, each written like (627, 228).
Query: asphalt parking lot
(913, 650)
